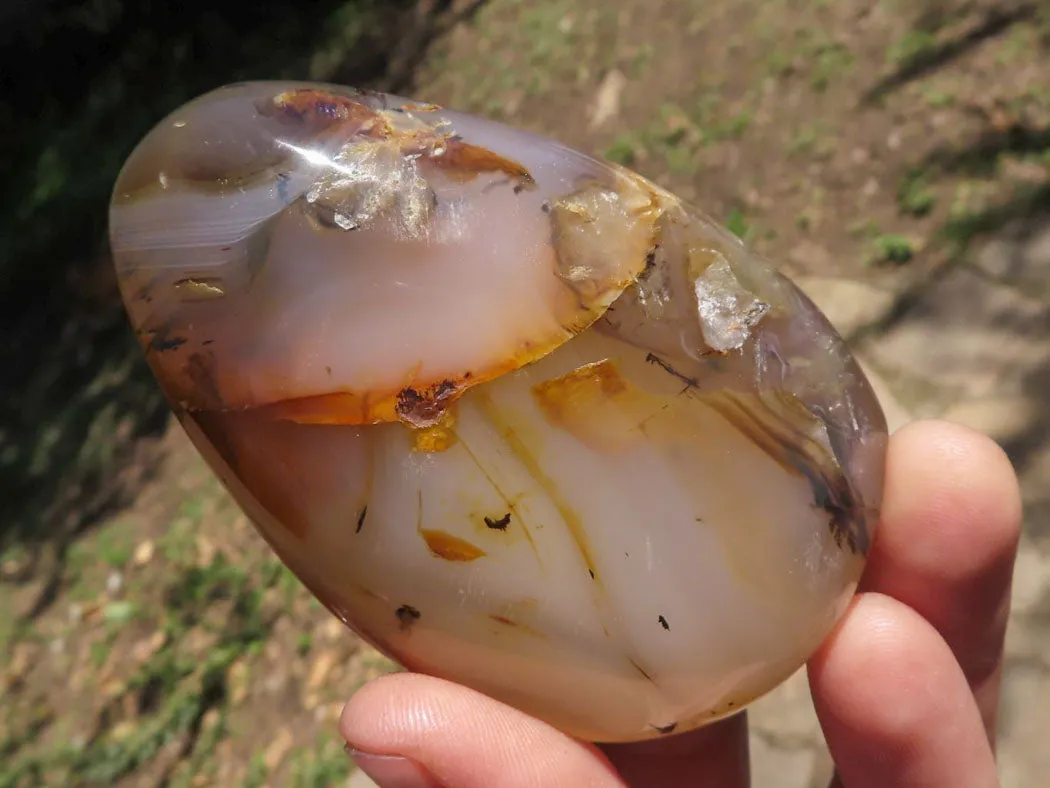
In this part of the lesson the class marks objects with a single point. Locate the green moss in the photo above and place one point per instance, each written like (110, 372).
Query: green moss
(914, 196)
(737, 224)
(891, 248)
(913, 46)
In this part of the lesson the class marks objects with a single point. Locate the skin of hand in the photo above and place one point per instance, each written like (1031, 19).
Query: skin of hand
(906, 687)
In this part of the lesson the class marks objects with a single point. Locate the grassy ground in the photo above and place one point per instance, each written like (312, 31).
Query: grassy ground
(149, 636)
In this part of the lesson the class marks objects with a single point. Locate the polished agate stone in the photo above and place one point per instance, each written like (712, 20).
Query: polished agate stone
(519, 417)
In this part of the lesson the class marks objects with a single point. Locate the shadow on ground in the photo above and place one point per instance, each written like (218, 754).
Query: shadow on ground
(928, 55)
(76, 399)
(994, 265)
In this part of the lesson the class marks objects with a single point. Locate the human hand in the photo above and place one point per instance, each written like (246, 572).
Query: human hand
(906, 687)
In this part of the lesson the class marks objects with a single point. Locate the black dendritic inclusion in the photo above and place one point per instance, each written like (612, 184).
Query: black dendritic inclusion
(161, 342)
(650, 262)
(361, 519)
(835, 494)
(498, 524)
(778, 423)
(407, 615)
(847, 523)
(652, 358)
(663, 623)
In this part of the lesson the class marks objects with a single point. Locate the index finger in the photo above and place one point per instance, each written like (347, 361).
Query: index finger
(947, 543)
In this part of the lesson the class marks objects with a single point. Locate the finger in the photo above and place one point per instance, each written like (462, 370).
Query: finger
(894, 704)
(454, 736)
(716, 755)
(947, 542)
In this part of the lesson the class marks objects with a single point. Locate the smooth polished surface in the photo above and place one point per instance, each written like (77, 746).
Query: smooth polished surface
(519, 417)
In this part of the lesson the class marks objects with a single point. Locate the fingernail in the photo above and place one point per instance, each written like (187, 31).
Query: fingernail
(391, 771)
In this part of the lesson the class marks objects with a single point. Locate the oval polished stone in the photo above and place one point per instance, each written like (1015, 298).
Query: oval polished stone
(519, 417)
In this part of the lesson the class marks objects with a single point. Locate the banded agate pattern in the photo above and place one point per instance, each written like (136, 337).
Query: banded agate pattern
(519, 417)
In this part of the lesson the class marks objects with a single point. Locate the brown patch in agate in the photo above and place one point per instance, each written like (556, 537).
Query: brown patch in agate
(451, 548)
(597, 406)
(321, 112)
(516, 626)
(462, 161)
(424, 407)
(418, 402)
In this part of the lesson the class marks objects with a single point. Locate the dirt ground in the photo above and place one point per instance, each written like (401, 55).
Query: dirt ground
(890, 153)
